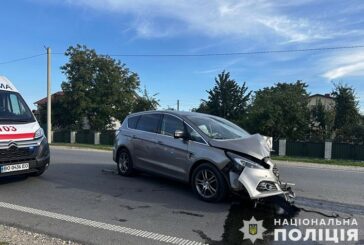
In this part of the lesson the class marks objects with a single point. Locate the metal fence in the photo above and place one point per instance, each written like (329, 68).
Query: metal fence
(85, 137)
(275, 151)
(305, 149)
(347, 151)
(107, 137)
(62, 136)
(292, 148)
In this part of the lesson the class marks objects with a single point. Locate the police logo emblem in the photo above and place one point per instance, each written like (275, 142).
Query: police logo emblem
(253, 229)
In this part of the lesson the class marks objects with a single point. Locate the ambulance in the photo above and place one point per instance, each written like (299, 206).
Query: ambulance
(24, 148)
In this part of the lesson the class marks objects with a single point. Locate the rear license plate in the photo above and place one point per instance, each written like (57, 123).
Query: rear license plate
(14, 167)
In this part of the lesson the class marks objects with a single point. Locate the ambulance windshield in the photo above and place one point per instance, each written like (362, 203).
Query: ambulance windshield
(13, 108)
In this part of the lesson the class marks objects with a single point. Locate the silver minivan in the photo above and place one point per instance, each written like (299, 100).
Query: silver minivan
(212, 154)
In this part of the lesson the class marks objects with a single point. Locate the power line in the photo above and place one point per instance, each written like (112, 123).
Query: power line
(21, 59)
(238, 53)
(206, 54)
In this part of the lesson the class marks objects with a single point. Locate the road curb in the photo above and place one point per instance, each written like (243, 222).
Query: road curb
(75, 148)
(319, 166)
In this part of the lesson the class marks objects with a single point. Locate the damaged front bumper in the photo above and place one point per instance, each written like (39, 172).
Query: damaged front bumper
(262, 183)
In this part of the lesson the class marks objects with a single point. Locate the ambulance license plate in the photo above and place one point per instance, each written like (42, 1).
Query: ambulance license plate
(14, 167)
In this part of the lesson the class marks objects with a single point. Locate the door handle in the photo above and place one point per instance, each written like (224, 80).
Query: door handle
(160, 142)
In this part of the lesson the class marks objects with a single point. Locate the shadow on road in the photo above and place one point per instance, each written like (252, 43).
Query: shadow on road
(12, 179)
(149, 189)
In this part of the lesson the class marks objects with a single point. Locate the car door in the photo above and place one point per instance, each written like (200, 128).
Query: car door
(172, 154)
(145, 141)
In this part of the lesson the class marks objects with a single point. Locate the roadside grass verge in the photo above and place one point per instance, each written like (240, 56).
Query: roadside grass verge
(97, 147)
(320, 161)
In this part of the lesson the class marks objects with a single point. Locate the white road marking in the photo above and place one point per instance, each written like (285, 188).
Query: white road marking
(100, 225)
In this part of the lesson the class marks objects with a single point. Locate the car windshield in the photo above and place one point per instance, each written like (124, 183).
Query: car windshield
(218, 128)
(13, 108)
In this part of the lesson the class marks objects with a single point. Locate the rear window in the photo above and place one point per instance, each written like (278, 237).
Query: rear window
(149, 123)
(132, 122)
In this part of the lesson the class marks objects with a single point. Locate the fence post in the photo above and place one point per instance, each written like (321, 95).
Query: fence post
(282, 147)
(328, 150)
(97, 138)
(52, 135)
(73, 137)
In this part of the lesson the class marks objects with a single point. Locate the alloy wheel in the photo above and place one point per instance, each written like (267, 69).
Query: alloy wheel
(206, 183)
(123, 163)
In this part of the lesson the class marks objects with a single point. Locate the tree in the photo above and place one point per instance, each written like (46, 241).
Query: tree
(322, 122)
(280, 111)
(145, 102)
(59, 120)
(98, 88)
(226, 99)
(346, 107)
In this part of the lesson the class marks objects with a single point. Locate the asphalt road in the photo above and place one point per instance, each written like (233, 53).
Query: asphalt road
(82, 199)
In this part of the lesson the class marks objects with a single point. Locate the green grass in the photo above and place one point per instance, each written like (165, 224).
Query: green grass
(320, 161)
(97, 147)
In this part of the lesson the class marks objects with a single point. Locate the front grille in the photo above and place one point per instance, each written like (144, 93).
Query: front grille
(16, 154)
(276, 171)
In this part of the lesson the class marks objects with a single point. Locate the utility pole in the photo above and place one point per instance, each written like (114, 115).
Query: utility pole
(177, 105)
(49, 97)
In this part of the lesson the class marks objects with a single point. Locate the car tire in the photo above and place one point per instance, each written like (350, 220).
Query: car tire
(208, 183)
(125, 163)
(39, 172)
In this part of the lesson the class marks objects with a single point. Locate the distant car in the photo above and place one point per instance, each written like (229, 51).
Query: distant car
(212, 154)
(23, 146)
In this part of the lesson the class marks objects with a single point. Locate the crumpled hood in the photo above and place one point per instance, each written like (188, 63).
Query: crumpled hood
(255, 145)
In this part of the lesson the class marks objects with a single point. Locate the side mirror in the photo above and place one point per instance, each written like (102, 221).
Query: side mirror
(179, 134)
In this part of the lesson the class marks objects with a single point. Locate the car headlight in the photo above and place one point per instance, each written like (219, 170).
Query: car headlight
(39, 133)
(240, 162)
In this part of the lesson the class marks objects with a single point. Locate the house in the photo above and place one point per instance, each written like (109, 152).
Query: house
(327, 101)
(44, 101)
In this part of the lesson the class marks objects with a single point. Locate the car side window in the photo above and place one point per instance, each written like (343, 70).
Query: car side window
(170, 124)
(194, 136)
(132, 122)
(149, 123)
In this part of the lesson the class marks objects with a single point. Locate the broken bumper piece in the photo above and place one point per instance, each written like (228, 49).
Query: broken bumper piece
(262, 183)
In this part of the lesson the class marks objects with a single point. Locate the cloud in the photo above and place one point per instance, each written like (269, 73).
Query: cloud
(344, 64)
(213, 18)
(348, 70)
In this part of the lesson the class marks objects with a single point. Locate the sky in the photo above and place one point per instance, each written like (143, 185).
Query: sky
(188, 27)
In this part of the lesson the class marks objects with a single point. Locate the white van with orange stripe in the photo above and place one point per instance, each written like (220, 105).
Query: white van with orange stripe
(23, 146)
